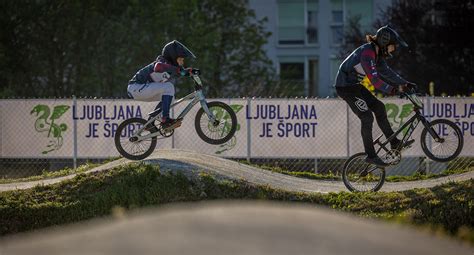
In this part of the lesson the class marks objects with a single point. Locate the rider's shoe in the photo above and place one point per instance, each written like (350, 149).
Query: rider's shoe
(169, 123)
(396, 144)
(376, 161)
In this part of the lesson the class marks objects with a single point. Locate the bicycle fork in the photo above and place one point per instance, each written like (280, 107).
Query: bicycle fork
(430, 129)
(202, 100)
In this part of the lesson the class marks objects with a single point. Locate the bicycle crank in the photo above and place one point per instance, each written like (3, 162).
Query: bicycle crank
(166, 132)
(393, 157)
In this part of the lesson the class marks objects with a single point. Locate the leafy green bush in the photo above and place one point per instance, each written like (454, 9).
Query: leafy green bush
(449, 207)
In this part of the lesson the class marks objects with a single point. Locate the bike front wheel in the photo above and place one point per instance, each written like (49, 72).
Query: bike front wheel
(449, 144)
(126, 140)
(222, 129)
(360, 176)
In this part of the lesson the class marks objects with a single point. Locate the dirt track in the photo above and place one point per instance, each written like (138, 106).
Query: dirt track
(233, 228)
(190, 163)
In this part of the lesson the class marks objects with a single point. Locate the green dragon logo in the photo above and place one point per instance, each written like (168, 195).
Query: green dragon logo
(396, 116)
(45, 124)
(233, 141)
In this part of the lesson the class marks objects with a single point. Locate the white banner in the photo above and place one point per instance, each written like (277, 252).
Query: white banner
(276, 128)
(36, 128)
(461, 112)
(97, 121)
(298, 128)
(186, 137)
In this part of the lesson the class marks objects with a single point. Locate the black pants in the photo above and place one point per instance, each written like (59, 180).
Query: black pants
(363, 103)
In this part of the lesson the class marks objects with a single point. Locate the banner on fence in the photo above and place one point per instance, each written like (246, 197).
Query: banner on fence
(267, 128)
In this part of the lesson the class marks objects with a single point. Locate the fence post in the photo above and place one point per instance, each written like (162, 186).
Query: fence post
(249, 131)
(428, 162)
(172, 137)
(74, 102)
(316, 165)
(347, 130)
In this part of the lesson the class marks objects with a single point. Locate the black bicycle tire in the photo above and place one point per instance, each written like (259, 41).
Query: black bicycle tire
(119, 147)
(346, 181)
(425, 148)
(233, 128)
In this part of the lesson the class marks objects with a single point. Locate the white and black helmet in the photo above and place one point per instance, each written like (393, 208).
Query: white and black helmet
(386, 36)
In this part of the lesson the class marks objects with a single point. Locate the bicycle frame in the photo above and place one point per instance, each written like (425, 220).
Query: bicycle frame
(412, 123)
(196, 96)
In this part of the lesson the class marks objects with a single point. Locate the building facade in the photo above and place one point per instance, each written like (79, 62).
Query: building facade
(307, 36)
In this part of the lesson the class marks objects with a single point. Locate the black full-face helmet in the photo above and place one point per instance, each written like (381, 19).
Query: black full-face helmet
(174, 49)
(386, 36)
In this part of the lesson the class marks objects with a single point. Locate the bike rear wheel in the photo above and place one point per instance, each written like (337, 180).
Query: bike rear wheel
(126, 136)
(359, 176)
(449, 145)
(220, 131)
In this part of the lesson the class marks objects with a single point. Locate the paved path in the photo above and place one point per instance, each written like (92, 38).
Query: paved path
(233, 228)
(190, 163)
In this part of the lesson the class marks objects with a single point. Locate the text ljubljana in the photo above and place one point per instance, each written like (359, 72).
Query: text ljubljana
(293, 120)
(103, 120)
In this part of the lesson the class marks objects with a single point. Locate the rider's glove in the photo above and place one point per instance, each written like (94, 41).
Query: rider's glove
(189, 71)
(403, 88)
(408, 87)
(185, 71)
(412, 85)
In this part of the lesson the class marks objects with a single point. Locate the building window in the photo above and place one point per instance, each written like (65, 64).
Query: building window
(292, 71)
(293, 28)
(313, 77)
(292, 75)
(337, 22)
(312, 24)
(362, 8)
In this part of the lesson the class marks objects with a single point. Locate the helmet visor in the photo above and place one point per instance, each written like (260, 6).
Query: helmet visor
(399, 39)
(183, 51)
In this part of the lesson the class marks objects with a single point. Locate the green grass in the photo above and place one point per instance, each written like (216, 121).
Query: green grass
(447, 208)
(55, 174)
(50, 175)
(334, 177)
(308, 175)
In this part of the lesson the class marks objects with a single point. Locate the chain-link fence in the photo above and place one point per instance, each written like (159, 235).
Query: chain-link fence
(305, 134)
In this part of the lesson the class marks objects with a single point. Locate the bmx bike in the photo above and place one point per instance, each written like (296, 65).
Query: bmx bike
(215, 123)
(441, 140)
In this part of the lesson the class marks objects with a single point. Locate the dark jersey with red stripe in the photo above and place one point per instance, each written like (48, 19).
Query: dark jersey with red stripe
(144, 75)
(364, 62)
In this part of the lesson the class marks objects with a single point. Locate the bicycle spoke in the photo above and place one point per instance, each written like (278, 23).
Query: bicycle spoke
(128, 142)
(361, 176)
(211, 131)
(446, 148)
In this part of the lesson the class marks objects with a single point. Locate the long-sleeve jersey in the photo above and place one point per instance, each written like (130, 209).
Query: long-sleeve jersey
(364, 61)
(157, 71)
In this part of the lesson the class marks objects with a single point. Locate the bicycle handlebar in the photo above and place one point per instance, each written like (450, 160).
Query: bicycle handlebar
(409, 92)
(411, 95)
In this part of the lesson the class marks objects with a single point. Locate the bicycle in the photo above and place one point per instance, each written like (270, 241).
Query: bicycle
(215, 123)
(441, 141)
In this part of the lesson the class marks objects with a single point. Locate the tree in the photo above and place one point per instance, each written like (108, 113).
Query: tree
(92, 48)
(440, 46)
